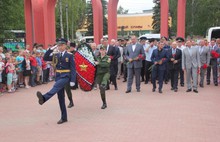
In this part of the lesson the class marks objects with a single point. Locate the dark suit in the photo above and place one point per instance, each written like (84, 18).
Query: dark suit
(114, 53)
(174, 68)
(213, 66)
(65, 73)
(159, 70)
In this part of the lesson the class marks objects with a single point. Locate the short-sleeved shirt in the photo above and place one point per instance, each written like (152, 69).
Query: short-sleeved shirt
(20, 59)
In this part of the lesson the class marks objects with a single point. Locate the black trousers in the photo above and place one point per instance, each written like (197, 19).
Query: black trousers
(143, 70)
(148, 64)
(174, 78)
(214, 67)
(113, 72)
(125, 70)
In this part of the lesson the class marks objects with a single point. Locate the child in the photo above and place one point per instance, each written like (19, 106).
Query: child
(2, 64)
(33, 69)
(10, 71)
(26, 64)
(39, 67)
(19, 60)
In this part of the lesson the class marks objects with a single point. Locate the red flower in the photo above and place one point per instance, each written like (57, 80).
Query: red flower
(204, 66)
(140, 56)
(163, 59)
(214, 54)
(111, 57)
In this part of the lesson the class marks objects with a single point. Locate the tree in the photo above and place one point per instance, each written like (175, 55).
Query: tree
(90, 18)
(61, 18)
(12, 17)
(156, 17)
(121, 10)
(76, 17)
(200, 15)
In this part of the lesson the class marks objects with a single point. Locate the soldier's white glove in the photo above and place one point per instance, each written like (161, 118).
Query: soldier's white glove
(72, 84)
(54, 47)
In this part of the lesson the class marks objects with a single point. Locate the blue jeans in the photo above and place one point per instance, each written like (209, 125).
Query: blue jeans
(33, 75)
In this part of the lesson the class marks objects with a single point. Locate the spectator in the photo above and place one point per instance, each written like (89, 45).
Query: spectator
(9, 71)
(27, 70)
(33, 69)
(19, 60)
(2, 64)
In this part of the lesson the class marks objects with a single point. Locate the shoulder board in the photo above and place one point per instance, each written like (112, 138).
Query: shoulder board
(69, 52)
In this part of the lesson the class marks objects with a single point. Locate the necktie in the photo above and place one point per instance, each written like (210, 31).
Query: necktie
(61, 55)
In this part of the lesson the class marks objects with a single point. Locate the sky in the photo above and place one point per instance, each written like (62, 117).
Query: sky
(136, 6)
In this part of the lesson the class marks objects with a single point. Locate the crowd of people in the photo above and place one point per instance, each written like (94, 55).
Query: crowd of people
(148, 60)
(163, 61)
(24, 69)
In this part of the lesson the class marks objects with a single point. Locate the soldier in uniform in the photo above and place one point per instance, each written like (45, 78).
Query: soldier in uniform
(103, 75)
(65, 73)
(71, 50)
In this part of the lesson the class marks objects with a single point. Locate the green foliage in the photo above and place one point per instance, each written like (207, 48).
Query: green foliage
(156, 17)
(76, 16)
(12, 16)
(200, 15)
(121, 10)
(90, 18)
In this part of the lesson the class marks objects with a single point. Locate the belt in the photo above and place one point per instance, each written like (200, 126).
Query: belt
(62, 71)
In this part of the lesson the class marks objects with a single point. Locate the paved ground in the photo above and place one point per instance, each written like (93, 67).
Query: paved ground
(134, 117)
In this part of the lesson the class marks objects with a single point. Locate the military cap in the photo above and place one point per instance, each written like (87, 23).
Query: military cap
(119, 39)
(126, 38)
(102, 47)
(61, 41)
(164, 38)
(143, 38)
(180, 39)
(72, 44)
(151, 40)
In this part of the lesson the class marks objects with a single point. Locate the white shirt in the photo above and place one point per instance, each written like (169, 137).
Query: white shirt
(181, 47)
(149, 53)
(133, 47)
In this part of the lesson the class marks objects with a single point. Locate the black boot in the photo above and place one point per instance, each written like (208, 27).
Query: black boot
(104, 103)
(102, 92)
(71, 104)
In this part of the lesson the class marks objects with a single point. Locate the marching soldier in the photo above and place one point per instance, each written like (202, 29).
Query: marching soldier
(103, 75)
(65, 73)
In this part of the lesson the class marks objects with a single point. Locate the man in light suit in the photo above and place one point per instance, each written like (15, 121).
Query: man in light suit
(191, 64)
(134, 54)
(204, 59)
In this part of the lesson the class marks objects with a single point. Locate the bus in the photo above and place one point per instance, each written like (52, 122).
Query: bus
(90, 39)
(213, 32)
(14, 40)
(150, 36)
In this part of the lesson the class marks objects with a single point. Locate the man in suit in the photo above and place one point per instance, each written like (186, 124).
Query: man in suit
(148, 63)
(166, 47)
(204, 59)
(191, 64)
(65, 73)
(134, 54)
(143, 43)
(180, 46)
(159, 58)
(174, 64)
(214, 46)
(114, 53)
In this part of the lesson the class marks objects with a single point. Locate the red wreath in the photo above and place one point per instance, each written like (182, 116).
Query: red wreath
(85, 72)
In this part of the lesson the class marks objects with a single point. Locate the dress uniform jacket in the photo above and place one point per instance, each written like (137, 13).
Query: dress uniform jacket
(64, 63)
